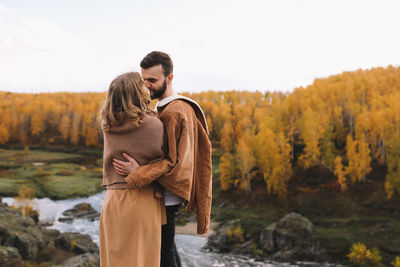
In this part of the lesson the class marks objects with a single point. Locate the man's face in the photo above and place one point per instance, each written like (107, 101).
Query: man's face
(155, 81)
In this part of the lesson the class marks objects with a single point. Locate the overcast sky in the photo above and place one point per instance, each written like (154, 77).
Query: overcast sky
(81, 45)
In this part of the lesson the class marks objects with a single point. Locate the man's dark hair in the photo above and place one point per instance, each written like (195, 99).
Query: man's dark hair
(158, 58)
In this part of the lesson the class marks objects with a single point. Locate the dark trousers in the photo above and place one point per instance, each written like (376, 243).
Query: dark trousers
(169, 253)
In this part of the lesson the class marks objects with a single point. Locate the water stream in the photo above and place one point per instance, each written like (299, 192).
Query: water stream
(189, 247)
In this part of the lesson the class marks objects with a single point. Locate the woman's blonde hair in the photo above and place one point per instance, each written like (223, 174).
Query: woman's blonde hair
(126, 96)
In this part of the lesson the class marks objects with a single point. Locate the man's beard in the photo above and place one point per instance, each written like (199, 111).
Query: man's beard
(157, 93)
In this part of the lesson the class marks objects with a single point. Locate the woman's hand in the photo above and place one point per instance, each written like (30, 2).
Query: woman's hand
(125, 167)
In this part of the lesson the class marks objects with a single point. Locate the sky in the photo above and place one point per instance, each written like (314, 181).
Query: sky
(265, 45)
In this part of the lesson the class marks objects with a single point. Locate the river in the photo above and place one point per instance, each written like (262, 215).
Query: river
(189, 246)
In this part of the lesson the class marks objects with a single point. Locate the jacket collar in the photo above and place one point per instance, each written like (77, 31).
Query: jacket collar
(197, 109)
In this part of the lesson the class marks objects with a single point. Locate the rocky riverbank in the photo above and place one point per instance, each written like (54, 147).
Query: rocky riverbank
(287, 240)
(23, 241)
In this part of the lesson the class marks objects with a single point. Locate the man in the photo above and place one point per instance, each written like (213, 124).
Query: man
(186, 170)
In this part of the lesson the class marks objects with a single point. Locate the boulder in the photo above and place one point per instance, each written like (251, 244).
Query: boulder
(20, 232)
(220, 240)
(84, 260)
(247, 248)
(10, 257)
(267, 239)
(304, 252)
(80, 211)
(289, 240)
(50, 237)
(286, 233)
(77, 243)
(46, 222)
(21, 238)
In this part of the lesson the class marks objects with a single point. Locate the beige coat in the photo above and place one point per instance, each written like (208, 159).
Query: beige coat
(187, 170)
(131, 218)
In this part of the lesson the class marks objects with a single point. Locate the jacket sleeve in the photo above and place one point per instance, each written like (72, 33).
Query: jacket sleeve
(204, 186)
(145, 174)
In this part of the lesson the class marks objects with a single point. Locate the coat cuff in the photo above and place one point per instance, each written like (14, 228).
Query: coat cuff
(130, 179)
(202, 229)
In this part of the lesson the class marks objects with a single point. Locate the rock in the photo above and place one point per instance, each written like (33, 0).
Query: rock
(10, 257)
(20, 232)
(219, 240)
(289, 240)
(286, 233)
(21, 238)
(50, 237)
(246, 248)
(84, 260)
(293, 227)
(267, 239)
(75, 242)
(304, 252)
(66, 219)
(80, 211)
(46, 222)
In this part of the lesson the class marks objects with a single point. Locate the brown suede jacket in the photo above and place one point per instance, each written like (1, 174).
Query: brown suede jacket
(186, 171)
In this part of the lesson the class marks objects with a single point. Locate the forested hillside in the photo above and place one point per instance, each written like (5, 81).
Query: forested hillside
(346, 123)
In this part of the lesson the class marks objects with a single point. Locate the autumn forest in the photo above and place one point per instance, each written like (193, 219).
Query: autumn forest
(346, 123)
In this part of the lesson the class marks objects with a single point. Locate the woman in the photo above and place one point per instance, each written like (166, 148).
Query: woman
(131, 219)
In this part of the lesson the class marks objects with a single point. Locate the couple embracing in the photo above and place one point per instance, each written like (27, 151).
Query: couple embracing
(153, 162)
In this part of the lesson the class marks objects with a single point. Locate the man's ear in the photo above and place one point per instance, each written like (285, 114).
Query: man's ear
(170, 77)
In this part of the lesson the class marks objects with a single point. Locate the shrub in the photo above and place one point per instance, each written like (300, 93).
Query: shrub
(235, 236)
(396, 262)
(361, 255)
(24, 202)
(72, 244)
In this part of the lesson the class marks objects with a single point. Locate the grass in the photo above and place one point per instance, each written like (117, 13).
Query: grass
(18, 157)
(50, 174)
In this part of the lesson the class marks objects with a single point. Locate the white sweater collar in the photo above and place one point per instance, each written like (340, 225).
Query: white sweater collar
(166, 100)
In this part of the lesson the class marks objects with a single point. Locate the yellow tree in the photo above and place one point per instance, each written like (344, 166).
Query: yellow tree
(273, 156)
(392, 183)
(75, 128)
(340, 173)
(358, 156)
(328, 150)
(245, 161)
(65, 127)
(228, 171)
(37, 124)
(312, 130)
(364, 157)
(5, 125)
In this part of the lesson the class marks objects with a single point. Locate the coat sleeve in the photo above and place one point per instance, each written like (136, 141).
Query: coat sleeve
(204, 185)
(145, 174)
